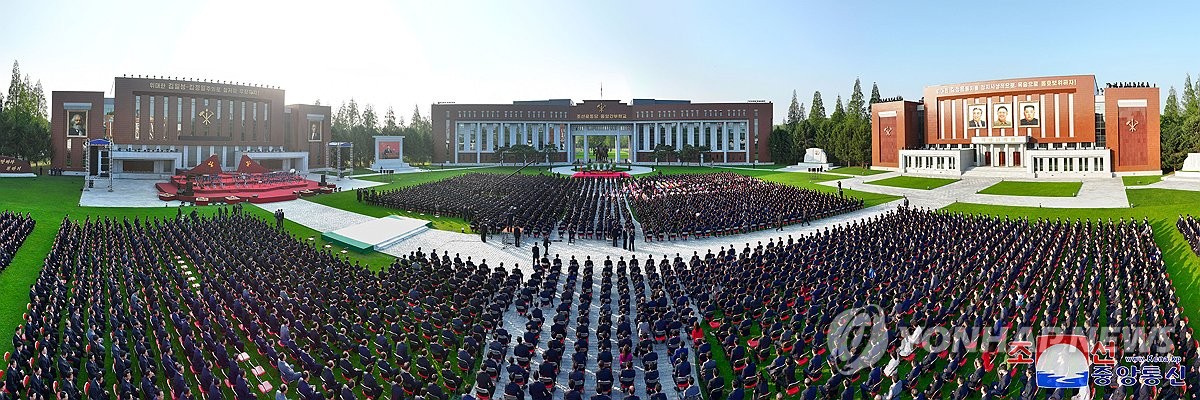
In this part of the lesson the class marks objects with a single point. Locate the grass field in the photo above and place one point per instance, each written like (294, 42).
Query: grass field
(1162, 207)
(1040, 189)
(914, 182)
(856, 171)
(1141, 180)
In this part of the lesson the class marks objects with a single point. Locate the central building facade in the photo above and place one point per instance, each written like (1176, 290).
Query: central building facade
(602, 130)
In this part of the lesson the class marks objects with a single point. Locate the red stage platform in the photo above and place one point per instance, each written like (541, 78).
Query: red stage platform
(231, 191)
(600, 174)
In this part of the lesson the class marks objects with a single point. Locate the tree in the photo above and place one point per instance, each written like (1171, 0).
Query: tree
(548, 151)
(802, 115)
(1171, 108)
(857, 106)
(875, 93)
(794, 110)
(24, 128)
(389, 122)
(1190, 105)
(780, 144)
(369, 118)
(818, 108)
(663, 152)
(418, 133)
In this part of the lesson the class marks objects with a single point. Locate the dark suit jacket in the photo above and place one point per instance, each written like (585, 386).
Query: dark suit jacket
(976, 124)
(1025, 122)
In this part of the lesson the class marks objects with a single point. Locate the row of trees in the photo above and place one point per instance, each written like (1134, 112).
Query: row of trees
(359, 127)
(1180, 125)
(24, 124)
(845, 135)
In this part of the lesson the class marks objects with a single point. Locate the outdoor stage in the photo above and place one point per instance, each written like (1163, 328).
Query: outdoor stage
(232, 190)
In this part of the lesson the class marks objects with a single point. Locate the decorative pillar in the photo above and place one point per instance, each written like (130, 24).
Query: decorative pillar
(617, 147)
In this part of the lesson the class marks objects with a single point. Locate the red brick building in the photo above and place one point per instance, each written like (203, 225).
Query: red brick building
(735, 133)
(1045, 126)
(158, 125)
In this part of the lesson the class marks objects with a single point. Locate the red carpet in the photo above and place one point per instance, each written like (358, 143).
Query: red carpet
(600, 174)
(254, 192)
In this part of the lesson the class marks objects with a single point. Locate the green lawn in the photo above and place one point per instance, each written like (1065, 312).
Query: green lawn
(1161, 206)
(914, 182)
(856, 171)
(1038, 189)
(1141, 180)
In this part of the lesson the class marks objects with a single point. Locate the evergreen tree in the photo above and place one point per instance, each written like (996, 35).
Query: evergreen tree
(818, 108)
(801, 114)
(1171, 108)
(857, 106)
(839, 112)
(369, 119)
(875, 93)
(793, 110)
(389, 121)
(1191, 107)
(24, 128)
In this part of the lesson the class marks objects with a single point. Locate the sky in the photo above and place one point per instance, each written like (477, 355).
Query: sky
(403, 54)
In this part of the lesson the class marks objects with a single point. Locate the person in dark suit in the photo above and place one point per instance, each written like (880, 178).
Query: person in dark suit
(1029, 116)
(976, 120)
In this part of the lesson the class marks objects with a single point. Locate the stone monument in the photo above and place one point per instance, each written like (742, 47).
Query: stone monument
(1191, 167)
(389, 154)
(815, 158)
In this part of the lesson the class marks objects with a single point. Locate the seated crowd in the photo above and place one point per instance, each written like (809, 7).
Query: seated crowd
(202, 307)
(679, 206)
(600, 208)
(1189, 226)
(14, 228)
(534, 203)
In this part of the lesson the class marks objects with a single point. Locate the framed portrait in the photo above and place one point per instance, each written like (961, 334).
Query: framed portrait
(1002, 115)
(314, 131)
(389, 150)
(1030, 112)
(977, 116)
(77, 123)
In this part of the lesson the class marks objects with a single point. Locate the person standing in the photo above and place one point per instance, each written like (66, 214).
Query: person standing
(546, 243)
(536, 253)
(483, 231)
(517, 236)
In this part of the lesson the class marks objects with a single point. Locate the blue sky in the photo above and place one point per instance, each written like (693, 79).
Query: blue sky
(401, 54)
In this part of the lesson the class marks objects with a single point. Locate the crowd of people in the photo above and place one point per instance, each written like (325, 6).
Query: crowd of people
(14, 228)
(493, 202)
(229, 307)
(699, 205)
(1189, 226)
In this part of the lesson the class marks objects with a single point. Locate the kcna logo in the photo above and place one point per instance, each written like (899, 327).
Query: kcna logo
(1062, 361)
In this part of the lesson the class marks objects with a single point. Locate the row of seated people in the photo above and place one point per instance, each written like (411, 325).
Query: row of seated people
(245, 180)
(534, 203)
(694, 205)
(601, 206)
(1189, 226)
(996, 277)
(227, 307)
(14, 228)
(114, 296)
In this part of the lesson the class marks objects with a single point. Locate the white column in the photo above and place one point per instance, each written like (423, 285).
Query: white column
(478, 142)
(725, 141)
(617, 147)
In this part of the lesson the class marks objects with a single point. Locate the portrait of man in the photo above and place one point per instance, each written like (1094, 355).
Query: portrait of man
(77, 123)
(1003, 119)
(1029, 114)
(389, 150)
(314, 131)
(976, 117)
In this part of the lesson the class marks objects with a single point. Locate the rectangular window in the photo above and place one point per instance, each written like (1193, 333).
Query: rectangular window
(178, 115)
(192, 118)
(243, 119)
(166, 117)
(230, 114)
(254, 121)
(137, 117)
(219, 104)
(152, 114)
(267, 121)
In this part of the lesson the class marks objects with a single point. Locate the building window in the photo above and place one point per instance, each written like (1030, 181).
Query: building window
(243, 118)
(152, 114)
(192, 129)
(219, 120)
(166, 117)
(254, 121)
(178, 115)
(137, 117)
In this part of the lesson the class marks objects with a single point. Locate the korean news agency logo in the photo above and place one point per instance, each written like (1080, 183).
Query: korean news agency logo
(857, 339)
(1072, 362)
